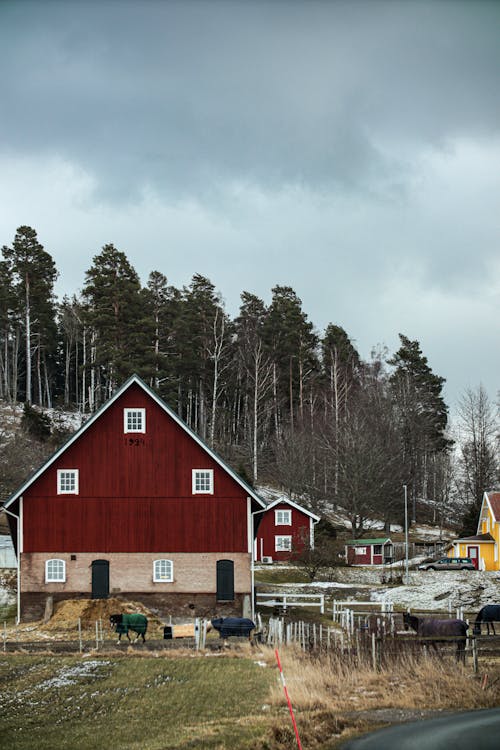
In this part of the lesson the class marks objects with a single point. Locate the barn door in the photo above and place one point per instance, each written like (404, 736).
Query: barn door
(100, 579)
(225, 580)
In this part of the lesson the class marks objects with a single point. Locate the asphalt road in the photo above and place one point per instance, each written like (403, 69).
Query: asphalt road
(476, 730)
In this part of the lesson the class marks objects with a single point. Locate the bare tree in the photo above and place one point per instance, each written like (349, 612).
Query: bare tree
(478, 458)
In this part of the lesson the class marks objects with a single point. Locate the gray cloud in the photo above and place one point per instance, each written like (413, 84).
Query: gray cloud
(349, 149)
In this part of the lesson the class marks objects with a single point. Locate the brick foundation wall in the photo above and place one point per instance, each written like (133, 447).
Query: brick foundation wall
(180, 607)
(192, 592)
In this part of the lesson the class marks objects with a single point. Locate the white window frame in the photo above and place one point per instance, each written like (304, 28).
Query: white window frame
(59, 574)
(130, 412)
(360, 550)
(280, 545)
(158, 576)
(209, 475)
(61, 480)
(286, 514)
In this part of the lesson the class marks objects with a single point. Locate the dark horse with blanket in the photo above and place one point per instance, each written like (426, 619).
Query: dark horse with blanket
(439, 631)
(488, 613)
(135, 622)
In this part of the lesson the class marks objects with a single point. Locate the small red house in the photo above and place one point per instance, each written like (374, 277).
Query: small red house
(135, 505)
(369, 551)
(284, 530)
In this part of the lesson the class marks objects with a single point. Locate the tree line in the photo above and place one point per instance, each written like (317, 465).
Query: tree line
(283, 403)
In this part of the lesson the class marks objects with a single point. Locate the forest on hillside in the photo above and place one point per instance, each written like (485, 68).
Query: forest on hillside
(282, 403)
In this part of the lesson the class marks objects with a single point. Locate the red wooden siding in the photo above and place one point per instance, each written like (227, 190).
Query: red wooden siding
(135, 492)
(366, 559)
(267, 531)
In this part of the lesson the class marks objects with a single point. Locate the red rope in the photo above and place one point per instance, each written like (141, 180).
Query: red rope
(288, 701)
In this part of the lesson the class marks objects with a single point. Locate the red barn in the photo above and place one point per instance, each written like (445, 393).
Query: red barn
(284, 531)
(135, 505)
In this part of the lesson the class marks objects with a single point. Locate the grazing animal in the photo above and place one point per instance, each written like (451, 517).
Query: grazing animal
(439, 631)
(239, 626)
(135, 622)
(488, 614)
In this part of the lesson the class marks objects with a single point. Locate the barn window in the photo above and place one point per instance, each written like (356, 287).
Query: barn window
(203, 481)
(163, 571)
(67, 481)
(282, 543)
(360, 550)
(134, 420)
(283, 517)
(55, 571)
(377, 549)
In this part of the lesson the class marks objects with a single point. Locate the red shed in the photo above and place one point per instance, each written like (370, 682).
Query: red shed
(284, 530)
(135, 505)
(369, 551)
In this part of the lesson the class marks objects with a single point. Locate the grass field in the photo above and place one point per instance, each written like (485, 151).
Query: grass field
(149, 702)
(221, 701)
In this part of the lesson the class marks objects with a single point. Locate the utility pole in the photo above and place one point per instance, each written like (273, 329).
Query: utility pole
(406, 534)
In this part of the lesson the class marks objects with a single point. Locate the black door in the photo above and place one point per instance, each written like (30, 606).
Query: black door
(225, 580)
(100, 579)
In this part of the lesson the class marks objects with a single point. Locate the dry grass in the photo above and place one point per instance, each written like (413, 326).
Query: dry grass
(337, 695)
(341, 683)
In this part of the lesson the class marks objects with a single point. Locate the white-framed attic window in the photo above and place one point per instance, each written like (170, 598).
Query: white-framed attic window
(55, 571)
(67, 482)
(163, 571)
(282, 543)
(203, 481)
(134, 420)
(282, 517)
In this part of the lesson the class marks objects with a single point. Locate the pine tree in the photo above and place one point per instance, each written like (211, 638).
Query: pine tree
(33, 274)
(423, 414)
(293, 345)
(121, 341)
(256, 368)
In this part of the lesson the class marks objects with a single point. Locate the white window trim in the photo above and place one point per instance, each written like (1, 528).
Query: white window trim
(75, 473)
(210, 472)
(360, 550)
(278, 546)
(55, 580)
(283, 523)
(126, 412)
(156, 578)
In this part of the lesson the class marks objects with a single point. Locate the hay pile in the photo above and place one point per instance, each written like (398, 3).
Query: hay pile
(63, 625)
(68, 612)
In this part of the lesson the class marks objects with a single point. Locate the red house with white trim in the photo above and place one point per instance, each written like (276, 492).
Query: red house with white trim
(135, 505)
(284, 530)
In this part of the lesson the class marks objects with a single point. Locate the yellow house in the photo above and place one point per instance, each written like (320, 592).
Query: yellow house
(483, 548)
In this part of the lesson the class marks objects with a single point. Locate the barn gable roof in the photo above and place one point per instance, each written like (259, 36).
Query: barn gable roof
(134, 379)
(286, 501)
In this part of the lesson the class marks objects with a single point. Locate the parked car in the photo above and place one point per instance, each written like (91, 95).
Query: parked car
(449, 563)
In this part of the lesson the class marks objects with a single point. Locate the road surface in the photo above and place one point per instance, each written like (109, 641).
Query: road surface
(471, 730)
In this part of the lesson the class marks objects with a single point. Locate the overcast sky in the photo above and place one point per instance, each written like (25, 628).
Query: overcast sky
(350, 150)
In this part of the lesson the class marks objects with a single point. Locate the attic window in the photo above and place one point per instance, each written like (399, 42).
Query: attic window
(134, 420)
(283, 517)
(67, 481)
(203, 481)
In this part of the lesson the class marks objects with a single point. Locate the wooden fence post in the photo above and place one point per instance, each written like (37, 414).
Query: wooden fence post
(474, 656)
